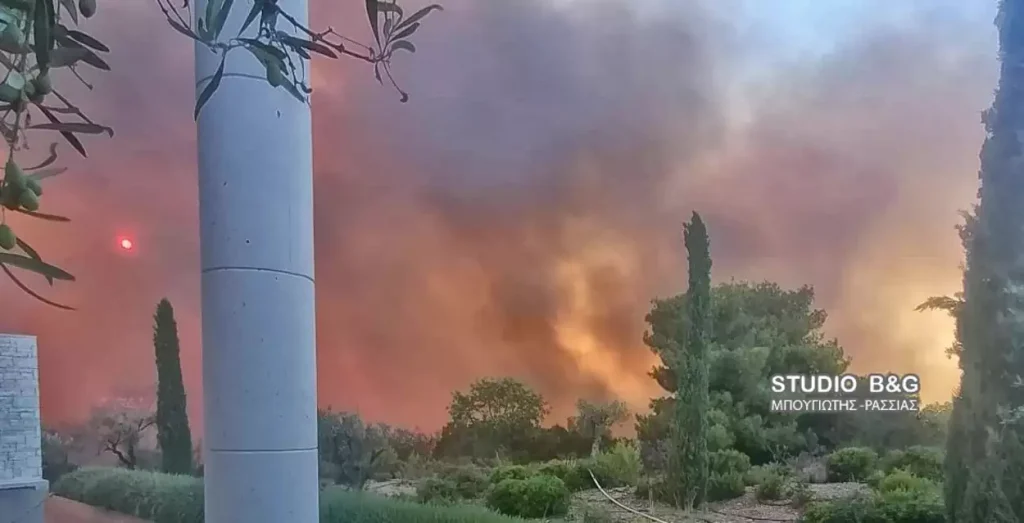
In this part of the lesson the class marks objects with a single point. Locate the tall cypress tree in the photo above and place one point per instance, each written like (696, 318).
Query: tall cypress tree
(689, 472)
(986, 432)
(173, 432)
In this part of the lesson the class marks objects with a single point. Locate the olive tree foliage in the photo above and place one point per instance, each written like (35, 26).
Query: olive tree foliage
(56, 448)
(39, 37)
(352, 451)
(283, 44)
(495, 417)
(596, 420)
(121, 428)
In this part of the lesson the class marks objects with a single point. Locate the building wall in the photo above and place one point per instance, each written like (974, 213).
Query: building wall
(20, 453)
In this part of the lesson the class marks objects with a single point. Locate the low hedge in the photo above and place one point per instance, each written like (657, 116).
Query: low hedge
(165, 498)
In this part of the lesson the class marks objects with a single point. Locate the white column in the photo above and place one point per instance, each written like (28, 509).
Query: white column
(256, 232)
(22, 487)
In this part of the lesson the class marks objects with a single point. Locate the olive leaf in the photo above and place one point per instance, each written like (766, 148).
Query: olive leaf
(44, 216)
(49, 159)
(418, 15)
(87, 40)
(212, 8)
(32, 293)
(407, 32)
(182, 29)
(389, 7)
(36, 266)
(371, 13)
(208, 91)
(20, 5)
(34, 255)
(47, 173)
(88, 56)
(222, 16)
(74, 127)
(403, 45)
(67, 56)
(294, 91)
(70, 137)
(69, 6)
(299, 43)
(257, 8)
(43, 38)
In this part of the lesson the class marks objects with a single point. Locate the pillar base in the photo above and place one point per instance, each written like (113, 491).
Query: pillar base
(23, 500)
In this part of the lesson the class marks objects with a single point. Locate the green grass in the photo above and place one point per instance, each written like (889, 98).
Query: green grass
(164, 498)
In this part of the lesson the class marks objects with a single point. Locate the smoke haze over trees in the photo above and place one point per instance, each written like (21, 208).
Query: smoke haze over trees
(517, 217)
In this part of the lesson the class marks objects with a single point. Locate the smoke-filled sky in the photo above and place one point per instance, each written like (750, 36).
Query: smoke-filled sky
(520, 212)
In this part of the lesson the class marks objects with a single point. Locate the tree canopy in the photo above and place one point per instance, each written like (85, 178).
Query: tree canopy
(758, 330)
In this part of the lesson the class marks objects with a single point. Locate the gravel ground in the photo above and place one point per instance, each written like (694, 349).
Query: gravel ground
(745, 509)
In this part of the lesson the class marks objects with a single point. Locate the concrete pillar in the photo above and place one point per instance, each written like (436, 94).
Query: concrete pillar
(22, 487)
(256, 245)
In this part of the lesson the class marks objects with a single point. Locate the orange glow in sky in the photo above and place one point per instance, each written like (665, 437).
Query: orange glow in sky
(127, 244)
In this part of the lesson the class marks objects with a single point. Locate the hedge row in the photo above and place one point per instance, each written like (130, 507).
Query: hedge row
(164, 498)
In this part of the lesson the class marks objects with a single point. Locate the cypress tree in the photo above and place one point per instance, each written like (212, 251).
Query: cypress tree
(173, 431)
(986, 430)
(689, 471)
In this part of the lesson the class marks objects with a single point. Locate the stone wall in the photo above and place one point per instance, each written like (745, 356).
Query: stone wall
(20, 454)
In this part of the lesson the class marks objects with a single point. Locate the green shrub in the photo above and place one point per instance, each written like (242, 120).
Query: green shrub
(343, 506)
(875, 479)
(760, 473)
(800, 494)
(723, 486)
(504, 472)
(438, 491)
(164, 498)
(654, 488)
(617, 467)
(729, 461)
(903, 481)
(470, 481)
(161, 498)
(727, 479)
(923, 462)
(894, 507)
(772, 487)
(536, 497)
(572, 472)
(844, 511)
(851, 464)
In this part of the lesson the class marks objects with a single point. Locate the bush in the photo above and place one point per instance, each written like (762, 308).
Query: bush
(725, 486)
(875, 479)
(729, 461)
(923, 462)
(504, 472)
(894, 507)
(617, 467)
(851, 464)
(800, 494)
(536, 497)
(164, 498)
(572, 472)
(161, 498)
(343, 506)
(469, 481)
(760, 473)
(772, 487)
(903, 481)
(437, 491)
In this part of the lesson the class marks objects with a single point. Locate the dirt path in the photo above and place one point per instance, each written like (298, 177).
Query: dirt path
(63, 510)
